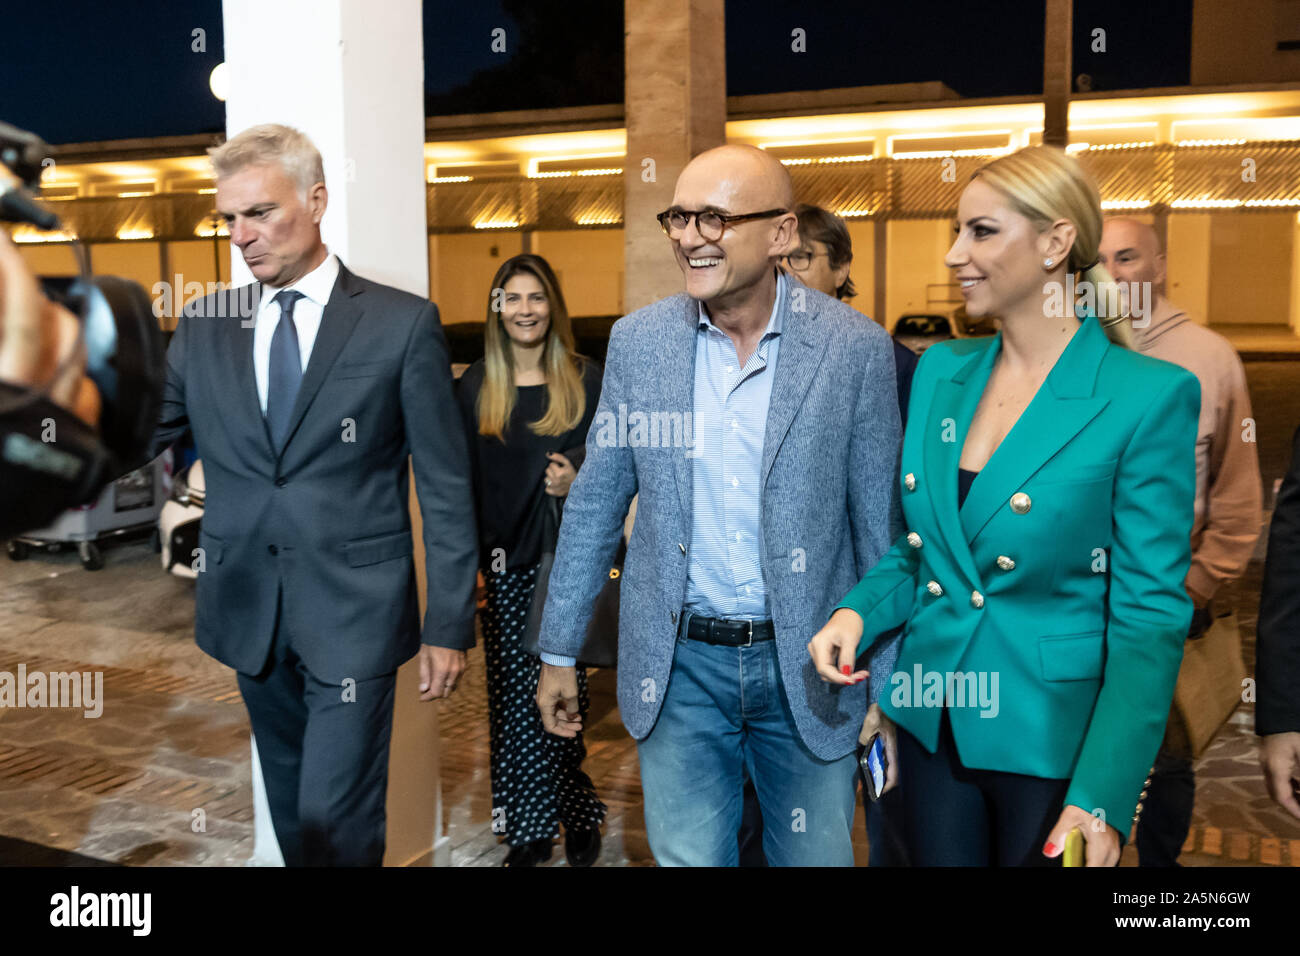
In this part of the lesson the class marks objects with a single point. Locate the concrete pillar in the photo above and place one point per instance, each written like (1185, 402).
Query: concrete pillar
(350, 74)
(1058, 37)
(676, 106)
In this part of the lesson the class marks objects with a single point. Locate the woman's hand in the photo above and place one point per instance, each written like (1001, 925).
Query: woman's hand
(835, 647)
(1102, 839)
(876, 722)
(559, 475)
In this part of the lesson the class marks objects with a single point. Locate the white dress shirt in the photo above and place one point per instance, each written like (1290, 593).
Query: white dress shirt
(315, 287)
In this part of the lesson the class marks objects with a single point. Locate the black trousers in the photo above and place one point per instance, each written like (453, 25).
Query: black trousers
(324, 755)
(750, 838)
(956, 816)
(885, 840)
(1166, 816)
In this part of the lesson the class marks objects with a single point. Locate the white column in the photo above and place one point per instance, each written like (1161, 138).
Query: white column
(350, 74)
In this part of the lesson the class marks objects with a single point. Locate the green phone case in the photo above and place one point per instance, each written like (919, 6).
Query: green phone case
(1074, 843)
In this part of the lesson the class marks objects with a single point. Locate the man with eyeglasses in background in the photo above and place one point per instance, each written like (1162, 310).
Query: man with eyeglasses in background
(821, 259)
(747, 535)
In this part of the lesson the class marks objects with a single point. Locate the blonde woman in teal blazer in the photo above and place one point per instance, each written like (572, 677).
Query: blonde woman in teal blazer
(1045, 615)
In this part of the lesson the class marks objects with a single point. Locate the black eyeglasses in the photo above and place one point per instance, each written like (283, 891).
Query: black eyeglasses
(708, 223)
(801, 259)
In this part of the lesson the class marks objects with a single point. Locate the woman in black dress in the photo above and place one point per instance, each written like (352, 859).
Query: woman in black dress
(527, 406)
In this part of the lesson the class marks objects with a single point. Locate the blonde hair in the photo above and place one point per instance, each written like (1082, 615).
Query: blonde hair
(1044, 184)
(271, 143)
(566, 399)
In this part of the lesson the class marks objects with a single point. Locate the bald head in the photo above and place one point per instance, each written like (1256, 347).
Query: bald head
(1130, 232)
(734, 181)
(747, 174)
(1130, 251)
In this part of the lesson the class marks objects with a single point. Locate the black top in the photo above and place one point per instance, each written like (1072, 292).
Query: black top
(964, 479)
(509, 486)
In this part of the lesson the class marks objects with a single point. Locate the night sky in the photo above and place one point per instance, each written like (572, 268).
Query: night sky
(88, 70)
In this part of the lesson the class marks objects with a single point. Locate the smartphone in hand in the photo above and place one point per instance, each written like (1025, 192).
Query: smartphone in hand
(873, 765)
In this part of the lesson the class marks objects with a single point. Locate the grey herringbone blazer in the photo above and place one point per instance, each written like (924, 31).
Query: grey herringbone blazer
(829, 510)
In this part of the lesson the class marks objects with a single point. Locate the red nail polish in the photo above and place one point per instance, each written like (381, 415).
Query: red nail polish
(846, 670)
(1049, 848)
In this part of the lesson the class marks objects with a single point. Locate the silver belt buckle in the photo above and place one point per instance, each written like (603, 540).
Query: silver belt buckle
(750, 642)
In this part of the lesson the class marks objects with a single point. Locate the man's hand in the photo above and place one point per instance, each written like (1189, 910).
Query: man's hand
(37, 337)
(557, 699)
(440, 669)
(874, 722)
(559, 475)
(1279, 757)
(1101, 839)
(1199, 601)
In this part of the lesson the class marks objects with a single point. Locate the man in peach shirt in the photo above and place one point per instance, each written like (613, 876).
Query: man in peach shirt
(1228, 499)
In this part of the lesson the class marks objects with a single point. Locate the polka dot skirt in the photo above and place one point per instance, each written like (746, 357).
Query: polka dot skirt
(537, 778)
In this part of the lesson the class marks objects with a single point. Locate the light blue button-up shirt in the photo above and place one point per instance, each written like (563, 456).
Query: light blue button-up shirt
(725, 575)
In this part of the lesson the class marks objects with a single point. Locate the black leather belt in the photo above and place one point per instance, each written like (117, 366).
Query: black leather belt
(713, 630)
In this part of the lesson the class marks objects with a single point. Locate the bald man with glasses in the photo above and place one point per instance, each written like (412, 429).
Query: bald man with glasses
(748, 531)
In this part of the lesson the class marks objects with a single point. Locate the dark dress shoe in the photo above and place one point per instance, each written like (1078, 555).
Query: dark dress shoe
(529, 854)
(581, 847)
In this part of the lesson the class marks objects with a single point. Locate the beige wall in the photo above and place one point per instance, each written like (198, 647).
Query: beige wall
(462, 267)
(49, 259)
(1295, 276)
(136, 260)
(193, 261)
(190, 263)
(1235, 41)
(916, 248)
(589, 265)
(1187, 264)
(1250, 255)
(863, 236)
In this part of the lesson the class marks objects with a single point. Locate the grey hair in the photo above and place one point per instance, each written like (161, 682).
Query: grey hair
(271, 143)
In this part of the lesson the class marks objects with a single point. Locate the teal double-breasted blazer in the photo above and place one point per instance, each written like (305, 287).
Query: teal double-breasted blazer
(1047, 613)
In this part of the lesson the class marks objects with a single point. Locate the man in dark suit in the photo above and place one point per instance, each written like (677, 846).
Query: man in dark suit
(305, 393)
(1277, 651)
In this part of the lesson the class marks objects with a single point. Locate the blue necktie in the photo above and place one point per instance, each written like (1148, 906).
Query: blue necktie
(284, 374)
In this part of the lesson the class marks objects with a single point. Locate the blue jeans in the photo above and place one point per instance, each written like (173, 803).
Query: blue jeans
(725, 712)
